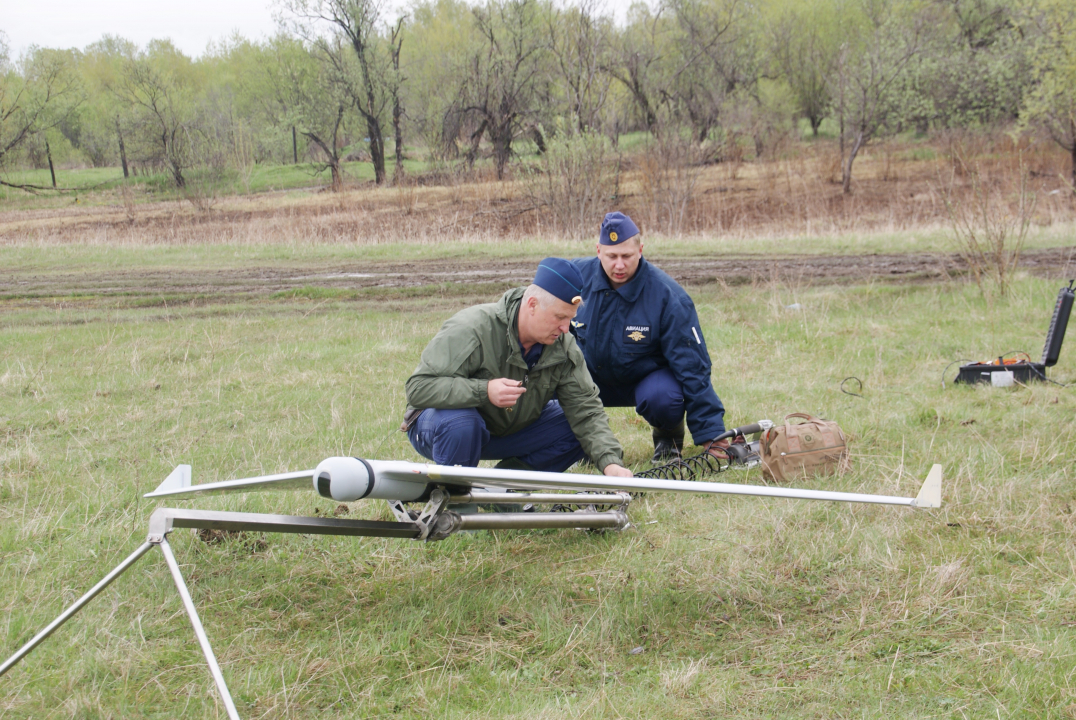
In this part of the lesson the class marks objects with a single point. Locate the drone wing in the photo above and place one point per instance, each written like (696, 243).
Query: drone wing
(179, 483)
(350, 479)
(929, 494)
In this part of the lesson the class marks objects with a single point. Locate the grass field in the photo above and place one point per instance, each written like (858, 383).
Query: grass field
(742, 607)
(96, 183)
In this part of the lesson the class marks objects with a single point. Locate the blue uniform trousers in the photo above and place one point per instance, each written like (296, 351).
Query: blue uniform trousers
(460, 437)
(658, 398)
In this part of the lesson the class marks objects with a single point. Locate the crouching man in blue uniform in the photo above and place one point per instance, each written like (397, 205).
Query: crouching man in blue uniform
(640, 335)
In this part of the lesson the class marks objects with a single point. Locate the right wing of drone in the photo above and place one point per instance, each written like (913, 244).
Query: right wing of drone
(347, 479)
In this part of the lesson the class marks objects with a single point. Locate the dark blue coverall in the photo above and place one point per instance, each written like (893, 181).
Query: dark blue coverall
(644, 348)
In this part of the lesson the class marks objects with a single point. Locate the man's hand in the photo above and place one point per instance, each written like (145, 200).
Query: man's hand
(504, 393)
(717, 448)
(617, 471)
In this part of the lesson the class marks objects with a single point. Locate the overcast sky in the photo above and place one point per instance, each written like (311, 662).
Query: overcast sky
(191, 24)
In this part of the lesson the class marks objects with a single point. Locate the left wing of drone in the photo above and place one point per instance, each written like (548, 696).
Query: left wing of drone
(347, 479)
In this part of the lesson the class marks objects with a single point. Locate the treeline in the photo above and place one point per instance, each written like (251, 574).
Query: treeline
(342, 80)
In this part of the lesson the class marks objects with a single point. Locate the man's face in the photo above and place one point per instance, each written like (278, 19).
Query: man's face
(620, 261)
(552, 321)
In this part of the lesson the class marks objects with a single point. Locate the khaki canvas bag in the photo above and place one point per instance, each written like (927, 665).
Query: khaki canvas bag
(795, 450)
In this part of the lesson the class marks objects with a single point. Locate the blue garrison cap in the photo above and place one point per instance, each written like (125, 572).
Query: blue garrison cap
(616, 228)
(560, 278)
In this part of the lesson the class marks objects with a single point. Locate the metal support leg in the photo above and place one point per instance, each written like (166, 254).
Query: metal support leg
(164, 520)
(441, 524)
(79, 604)
(207, 650)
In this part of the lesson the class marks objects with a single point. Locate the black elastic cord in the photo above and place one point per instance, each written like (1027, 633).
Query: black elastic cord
(849, 392)
(1043, 376)
(949, 366)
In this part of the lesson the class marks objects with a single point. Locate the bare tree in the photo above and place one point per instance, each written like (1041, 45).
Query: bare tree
(357, 21)
(329, 143)
(714, 57)
(307, 94)
(103, 121)
(397, 80)
(868, 76)
(989, 221)
(156, 85)
(35, 97)
(682, 63)
(805, 50)
(580, 42)
(501, 85)
(639, 66)
(573, 183)
(1051, 101)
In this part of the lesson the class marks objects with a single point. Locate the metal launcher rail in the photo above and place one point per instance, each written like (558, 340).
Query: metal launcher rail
(435, 523)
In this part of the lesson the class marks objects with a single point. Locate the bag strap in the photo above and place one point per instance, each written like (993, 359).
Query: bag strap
(793, 439)
(806, 416)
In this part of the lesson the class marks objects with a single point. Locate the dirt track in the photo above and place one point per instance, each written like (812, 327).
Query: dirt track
(260, 281)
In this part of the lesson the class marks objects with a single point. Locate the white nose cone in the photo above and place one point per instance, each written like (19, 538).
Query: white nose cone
(344, 479)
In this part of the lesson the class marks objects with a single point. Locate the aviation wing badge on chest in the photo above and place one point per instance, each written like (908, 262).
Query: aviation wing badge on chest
(636, 336)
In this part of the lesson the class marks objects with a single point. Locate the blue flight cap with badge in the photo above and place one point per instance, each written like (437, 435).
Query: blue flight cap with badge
(561, 279)
(616, 228)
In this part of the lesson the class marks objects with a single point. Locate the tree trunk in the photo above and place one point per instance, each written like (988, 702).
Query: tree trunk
(377, 148)
(397, 131)
(338, 178)
(373, 125)
(123, 150)
(332, 157)
(635, 86)
(816, 122)
(52, 170)
(359, 43)
(846, 179)
(840, 132)
(177, 175)
(840, 102)
(169, 147)
(294, 146)
(501, 136)
(539, 140)
(396, 46)
(476, 140)
(650, 118)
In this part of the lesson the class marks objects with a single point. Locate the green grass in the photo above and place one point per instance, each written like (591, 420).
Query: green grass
(62, 259)
(743, 607)
(99, 185)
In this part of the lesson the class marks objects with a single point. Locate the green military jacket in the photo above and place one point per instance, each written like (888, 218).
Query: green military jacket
(481, 343)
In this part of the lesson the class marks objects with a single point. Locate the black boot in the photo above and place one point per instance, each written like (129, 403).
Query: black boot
(512, 463)
(668, 444)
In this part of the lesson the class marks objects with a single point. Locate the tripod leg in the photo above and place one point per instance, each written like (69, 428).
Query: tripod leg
(79, 604)
(210, 658)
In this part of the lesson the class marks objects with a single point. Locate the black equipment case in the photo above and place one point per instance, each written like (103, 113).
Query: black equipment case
(1026, 370)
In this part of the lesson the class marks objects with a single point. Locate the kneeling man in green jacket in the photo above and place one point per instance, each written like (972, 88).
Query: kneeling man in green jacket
(506, 381)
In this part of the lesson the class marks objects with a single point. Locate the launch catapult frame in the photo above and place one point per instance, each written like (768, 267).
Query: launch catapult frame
(601, 501)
